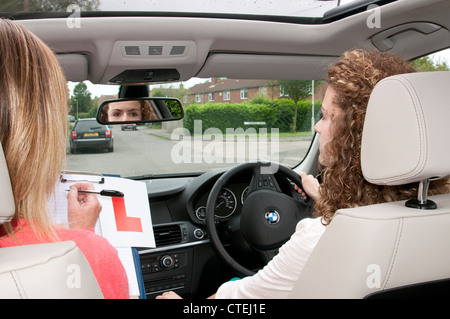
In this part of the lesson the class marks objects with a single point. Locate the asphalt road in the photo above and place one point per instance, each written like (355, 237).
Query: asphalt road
(151, 151)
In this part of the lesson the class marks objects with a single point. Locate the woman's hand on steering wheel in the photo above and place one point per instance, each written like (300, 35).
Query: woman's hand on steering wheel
(310, 187)
(268, 217)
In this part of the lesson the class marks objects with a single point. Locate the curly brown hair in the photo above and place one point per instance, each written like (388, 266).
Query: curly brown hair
(353, 78)
(148, 113)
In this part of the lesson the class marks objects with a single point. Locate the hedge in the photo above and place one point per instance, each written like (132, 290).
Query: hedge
(277, 113)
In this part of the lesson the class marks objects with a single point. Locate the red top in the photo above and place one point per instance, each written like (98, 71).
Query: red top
(102, 257)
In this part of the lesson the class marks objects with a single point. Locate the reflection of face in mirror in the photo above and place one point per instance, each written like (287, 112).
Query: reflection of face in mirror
(133, 110)
(124, 111)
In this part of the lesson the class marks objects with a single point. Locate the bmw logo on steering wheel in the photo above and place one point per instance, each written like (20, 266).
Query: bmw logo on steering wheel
(272, 217)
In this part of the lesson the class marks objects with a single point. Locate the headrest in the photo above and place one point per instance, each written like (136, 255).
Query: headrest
(406, 134)
(7, 207)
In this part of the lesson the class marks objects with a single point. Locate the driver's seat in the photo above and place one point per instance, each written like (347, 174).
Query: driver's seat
(396, 249)
(55, 270)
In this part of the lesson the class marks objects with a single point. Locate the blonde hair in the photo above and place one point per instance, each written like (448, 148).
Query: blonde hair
(33, 123)
(353, 78)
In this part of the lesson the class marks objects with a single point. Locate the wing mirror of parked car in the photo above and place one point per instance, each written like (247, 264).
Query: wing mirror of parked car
(139, 110)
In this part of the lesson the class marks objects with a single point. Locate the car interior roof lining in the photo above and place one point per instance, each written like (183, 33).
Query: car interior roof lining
(260, 39)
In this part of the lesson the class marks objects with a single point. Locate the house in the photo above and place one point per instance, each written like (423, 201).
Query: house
(230, 91)
(237, 91)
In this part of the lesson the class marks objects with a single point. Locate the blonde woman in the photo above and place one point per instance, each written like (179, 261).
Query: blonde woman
(33, 135)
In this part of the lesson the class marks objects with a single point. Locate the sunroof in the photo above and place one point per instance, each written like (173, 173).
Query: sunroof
(292, 8)
(287, 8)
(291, 11)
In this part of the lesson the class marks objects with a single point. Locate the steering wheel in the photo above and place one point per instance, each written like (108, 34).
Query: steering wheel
(268, 217)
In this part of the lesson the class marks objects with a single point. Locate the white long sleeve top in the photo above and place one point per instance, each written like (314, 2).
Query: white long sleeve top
(277, 278)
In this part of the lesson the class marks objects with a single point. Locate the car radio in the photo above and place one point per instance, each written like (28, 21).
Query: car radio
(166, 271)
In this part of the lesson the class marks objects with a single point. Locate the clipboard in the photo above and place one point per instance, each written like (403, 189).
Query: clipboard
(136, 192)
(90, 177)
(58, 201)
(118, 216)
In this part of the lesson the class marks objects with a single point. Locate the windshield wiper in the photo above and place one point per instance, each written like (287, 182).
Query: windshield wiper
(145, 176)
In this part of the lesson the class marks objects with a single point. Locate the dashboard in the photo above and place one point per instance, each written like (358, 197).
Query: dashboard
(229, 201)
(184, 260)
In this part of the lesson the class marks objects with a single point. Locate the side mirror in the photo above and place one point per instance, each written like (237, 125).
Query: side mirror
(140, 110)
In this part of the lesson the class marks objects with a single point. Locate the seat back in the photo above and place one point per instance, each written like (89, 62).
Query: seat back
(8, 206)
(43, 271)
(389, 247)
(55, 270)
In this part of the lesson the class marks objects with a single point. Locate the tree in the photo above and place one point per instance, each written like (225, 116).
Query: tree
(426, 64)
(47, 5)
(296, 90)
(81, 100)
(170, 91)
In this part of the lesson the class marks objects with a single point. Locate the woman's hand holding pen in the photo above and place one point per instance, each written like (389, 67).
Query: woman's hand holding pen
(83, 208)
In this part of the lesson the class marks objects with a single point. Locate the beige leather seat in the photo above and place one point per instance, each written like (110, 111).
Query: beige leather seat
(390, 249)
(56, 270)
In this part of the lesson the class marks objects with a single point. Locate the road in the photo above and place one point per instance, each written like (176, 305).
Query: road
(150, 151)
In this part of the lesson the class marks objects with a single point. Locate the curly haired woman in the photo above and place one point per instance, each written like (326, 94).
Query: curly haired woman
(350, 83)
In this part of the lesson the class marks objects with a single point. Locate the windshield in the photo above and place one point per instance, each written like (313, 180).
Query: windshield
(226, 122)
(88, 125)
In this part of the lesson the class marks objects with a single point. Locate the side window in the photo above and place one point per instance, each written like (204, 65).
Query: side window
(244, 93)
(439, 61)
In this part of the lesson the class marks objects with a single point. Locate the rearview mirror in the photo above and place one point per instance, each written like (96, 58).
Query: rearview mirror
(140, 110)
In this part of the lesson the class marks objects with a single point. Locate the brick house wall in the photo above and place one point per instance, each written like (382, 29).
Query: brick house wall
(235, 91)
(230, 91)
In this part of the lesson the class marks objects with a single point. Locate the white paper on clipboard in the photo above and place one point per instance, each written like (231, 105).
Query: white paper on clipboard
(136, 207)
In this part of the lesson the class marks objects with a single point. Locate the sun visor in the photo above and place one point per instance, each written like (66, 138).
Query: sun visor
(264, 66)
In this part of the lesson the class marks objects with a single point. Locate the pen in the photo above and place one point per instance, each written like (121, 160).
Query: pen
(105, 192)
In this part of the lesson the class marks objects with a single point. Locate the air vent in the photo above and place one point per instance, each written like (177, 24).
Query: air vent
(167, 235)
